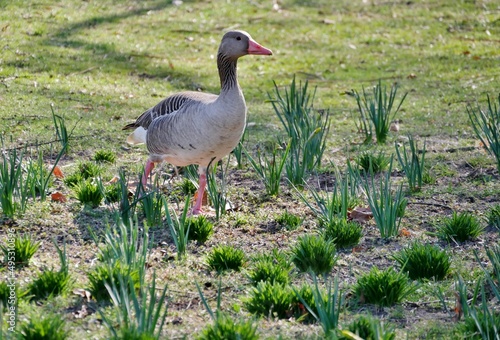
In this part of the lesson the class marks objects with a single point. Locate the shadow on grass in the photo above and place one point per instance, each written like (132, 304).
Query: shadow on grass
(63, 53)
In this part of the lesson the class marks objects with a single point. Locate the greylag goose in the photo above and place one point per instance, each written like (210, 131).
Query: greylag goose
(198, 128)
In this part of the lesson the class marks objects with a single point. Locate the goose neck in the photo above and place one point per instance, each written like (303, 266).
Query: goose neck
(227, 72)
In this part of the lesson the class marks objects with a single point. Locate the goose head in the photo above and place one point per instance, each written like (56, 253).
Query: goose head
(236, 44)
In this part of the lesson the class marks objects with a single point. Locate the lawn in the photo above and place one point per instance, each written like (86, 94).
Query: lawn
(73, 73)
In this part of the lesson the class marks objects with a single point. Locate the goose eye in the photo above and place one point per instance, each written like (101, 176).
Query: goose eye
(238, 38)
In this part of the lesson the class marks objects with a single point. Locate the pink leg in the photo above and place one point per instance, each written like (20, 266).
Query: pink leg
(147, 171)
(199, 194)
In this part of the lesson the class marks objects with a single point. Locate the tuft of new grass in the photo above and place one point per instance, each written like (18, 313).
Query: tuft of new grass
(460, 227)
(494, 216)
(289, 221)
(313, 253)
(109, 274)
(50, 282)
(49, 327)
(89, 193)
(343, 233)
(104, 156)
(225, 327)
(225, 257)
(274, 268)
(369, 328)
(271, 300)
(423, 261)
(24, 249)
(371, 162)
(200, 229)
(89, 170)
(383, 287)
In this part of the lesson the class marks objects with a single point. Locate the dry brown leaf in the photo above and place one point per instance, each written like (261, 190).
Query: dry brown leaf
(58, 172)
(404, 232)
(83, 293)
(57, 196)
(82, 313)
(113, 180)
(411, 76)
(360, 214)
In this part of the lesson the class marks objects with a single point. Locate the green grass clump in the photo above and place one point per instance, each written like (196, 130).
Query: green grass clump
(200, 229)
(89, 169)
(89, 193)
(383, 287)
(24, 249)
(423, 261)
(113, 192)
(481, 325)
(50, 282)
(49, 327)
(494, 216)
(5, 294)
(306, 128)
(225, 327)
(412, 164)
(376, 111)
(370, 328)
(107, 274)
(343, 233)
(460, 227)
(269, 169)
(313, 253)
(486, 125)
(270, 300)
(288, 220)
(104, 156)
(274, 268)
(371, 162)
(388, 207)
(226, 257)
(73, 179)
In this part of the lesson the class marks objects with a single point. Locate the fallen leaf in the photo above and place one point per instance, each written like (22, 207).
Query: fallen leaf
(411, 76)
(466, 52)
(113, 180)
(57, 196)
(83, 293)
(58, 172)
(360, 214)
(394, 126)
(82, 313)
(476, 57)
(404, 232)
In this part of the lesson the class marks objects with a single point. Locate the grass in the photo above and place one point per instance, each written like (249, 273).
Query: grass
(343, 233)
(105, 156)
(51, 283)
(22, 252)
(371, 162)
(200, 229)
(89, 193)
(412, 164)
(376, 110)
(289, 220)
(460, 227)
(274, 268)
(485, 124)
(48, 327)
(424, 261)
(313, 253)
(272, 300)
(108, 61)
(494, 216)
(270, 168)
(368, 327)
(387, 207)
(306, 130)
(383, 287)
(225, 257)
(105, 274)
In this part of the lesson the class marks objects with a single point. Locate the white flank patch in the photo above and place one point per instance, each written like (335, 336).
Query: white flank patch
(138, 136)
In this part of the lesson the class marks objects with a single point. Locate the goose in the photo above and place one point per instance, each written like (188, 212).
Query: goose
(195, 127)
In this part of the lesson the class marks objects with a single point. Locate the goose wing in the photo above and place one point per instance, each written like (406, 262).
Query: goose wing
(169, 105)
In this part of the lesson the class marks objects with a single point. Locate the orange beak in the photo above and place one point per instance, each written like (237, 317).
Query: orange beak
(255, 48)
